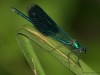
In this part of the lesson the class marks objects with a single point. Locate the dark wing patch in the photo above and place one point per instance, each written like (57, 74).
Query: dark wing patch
(42, 21)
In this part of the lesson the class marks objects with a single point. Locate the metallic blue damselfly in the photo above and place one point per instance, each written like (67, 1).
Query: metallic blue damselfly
(46, 26)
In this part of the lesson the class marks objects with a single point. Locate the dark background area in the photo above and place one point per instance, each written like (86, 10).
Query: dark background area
(80, 18)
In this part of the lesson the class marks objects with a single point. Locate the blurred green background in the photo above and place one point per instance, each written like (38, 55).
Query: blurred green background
(80, 18)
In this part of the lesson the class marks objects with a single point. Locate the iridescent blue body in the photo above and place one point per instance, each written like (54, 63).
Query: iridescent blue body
(44, 24)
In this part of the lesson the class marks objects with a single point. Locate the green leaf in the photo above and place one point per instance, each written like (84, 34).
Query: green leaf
(29, 38)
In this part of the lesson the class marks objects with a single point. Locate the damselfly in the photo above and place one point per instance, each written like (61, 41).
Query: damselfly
(46, 26)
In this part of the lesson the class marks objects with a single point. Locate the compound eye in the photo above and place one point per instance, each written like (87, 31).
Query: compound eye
(85, 49)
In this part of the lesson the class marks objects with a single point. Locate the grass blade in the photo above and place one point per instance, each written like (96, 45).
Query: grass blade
(55, 48)
(29, 53)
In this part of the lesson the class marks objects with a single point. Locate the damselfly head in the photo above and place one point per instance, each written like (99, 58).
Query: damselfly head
(84, 49)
